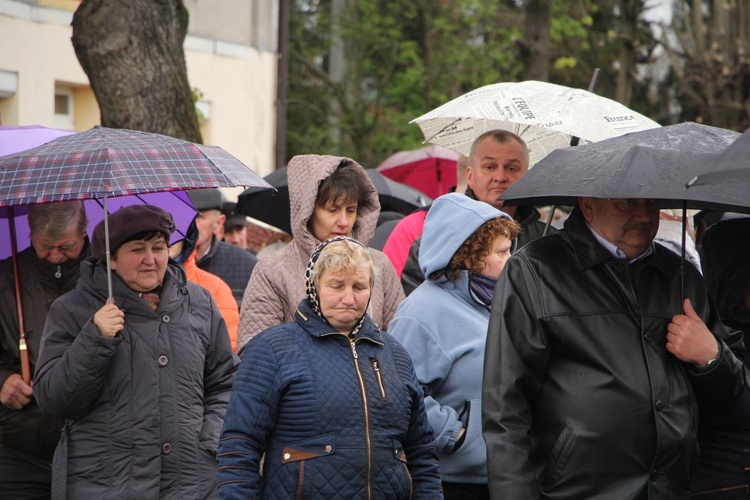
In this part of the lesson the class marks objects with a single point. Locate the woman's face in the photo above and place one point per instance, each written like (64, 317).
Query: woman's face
(343, 296)
(142, 264)
(335, 218)
(498, 256)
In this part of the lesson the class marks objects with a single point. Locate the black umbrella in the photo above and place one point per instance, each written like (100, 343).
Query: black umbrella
(272, 207)
(727, 170)
(653, 164)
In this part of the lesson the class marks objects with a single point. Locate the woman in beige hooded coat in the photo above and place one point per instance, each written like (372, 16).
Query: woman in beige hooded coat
(321, 208)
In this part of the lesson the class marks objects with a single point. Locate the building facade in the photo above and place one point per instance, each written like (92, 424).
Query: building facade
(230, 52)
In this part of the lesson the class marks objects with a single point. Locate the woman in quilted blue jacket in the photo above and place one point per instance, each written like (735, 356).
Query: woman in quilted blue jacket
(332, 401)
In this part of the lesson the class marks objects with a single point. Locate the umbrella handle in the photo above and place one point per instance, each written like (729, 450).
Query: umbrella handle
(23, 353)
(110, 300)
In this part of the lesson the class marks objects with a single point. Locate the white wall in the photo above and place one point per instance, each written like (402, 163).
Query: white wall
(237, 79)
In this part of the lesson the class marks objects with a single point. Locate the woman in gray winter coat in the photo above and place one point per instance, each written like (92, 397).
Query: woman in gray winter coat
(143, 382)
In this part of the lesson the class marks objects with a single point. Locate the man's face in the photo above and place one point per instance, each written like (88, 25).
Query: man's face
(494, 168)
(208, 222)
(237, 236)
(58, 251)
(629, 224)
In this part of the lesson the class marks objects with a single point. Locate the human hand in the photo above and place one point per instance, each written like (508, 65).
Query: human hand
(15, 393)
(109, 320)
(689, 339)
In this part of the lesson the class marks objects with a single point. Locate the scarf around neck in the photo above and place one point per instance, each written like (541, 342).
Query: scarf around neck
(483, 286)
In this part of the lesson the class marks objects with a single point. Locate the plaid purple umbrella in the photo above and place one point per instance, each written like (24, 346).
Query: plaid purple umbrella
(104, 162)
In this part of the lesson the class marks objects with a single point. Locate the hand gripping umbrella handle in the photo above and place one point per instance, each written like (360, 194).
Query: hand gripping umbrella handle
(23, 352)
(25, 366)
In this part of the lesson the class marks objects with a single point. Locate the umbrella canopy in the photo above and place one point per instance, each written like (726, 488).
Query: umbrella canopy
(649, 164)
(175, 202)
(15, 139)
(430, 169)
(274, 207)
(727, 169)
(545, 115)
(103, 162)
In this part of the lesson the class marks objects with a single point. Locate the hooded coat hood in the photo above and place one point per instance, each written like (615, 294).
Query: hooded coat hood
(449, 223)
(304, 175)
(277, 284)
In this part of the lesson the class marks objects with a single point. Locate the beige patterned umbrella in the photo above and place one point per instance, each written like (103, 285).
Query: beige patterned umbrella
(545, 115)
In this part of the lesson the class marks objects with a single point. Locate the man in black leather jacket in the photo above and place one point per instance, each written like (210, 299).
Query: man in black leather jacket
(592, 374)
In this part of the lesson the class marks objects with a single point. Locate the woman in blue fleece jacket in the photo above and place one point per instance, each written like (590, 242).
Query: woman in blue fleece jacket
(443, 326)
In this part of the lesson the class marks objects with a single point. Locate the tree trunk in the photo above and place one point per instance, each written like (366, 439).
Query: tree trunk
(132, 53)
(536, 53)
(630, 13)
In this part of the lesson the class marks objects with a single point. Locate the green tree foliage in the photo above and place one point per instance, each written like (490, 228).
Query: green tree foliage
(406, 57)
(403, 58)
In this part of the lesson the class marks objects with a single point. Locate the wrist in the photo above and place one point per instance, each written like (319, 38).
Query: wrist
(715, 356)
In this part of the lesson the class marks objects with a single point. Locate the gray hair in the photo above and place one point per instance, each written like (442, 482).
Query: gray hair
(52, 221)
(501, 136)
(344, 255)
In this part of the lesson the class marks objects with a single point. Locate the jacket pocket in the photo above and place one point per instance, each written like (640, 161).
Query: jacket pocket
(379, 377)
(558, 459)
(300, 453)
(464, 417)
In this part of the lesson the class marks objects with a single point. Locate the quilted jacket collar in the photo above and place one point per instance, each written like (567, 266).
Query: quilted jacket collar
(309, 321)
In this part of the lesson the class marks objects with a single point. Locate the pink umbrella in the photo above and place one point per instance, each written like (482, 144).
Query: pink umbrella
(430, 169)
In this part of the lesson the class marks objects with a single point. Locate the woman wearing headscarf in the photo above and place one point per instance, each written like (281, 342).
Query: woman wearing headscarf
(330, 400)
(143, 382)
(443, 326)
(329, 196)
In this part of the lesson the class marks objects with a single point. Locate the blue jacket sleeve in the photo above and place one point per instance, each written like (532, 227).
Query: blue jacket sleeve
(248, 422)
(419, 445)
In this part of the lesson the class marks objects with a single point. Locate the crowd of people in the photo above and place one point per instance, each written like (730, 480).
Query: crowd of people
(526, 361)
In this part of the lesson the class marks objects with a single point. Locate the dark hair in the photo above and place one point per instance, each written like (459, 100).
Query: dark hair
(477, 246)
(347, 183)
(143, 235)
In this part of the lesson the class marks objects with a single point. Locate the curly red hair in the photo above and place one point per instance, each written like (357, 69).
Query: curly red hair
(478, 246)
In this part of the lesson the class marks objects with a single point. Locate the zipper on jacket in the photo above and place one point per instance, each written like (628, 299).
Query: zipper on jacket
(368, 438)
(379, 376)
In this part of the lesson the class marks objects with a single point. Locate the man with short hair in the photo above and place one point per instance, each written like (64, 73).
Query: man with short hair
(46, 270)
(498, 158)
(228, 262)
(592, 375)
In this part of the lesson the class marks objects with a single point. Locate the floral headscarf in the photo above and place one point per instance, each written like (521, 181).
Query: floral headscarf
(312, 290)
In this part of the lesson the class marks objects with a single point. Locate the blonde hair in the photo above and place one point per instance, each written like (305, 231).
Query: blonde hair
(344, 255)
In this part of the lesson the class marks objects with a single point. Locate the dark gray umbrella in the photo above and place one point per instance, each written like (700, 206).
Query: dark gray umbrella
(727, 170)
(653, 164)
(272, 207)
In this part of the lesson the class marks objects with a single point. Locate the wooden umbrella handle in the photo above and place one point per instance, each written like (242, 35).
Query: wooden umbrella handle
(25, 366)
